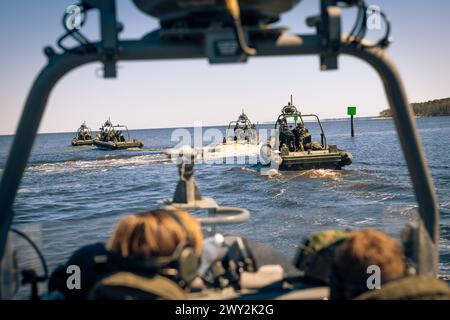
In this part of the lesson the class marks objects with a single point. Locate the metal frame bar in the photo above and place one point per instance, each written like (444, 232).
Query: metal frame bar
(310, 115)
(123, 127)
(79, 130)
(322, 133)
(231, 123)
(224, 216)
(157, 49)
(248, 122)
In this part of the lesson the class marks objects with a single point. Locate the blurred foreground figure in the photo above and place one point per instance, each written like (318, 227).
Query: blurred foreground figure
(368, 254)
(153, 255)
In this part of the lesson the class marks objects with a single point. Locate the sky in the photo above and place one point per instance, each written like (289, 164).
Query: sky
(178, 93)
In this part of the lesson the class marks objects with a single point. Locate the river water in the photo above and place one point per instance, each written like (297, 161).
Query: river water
(72, 196)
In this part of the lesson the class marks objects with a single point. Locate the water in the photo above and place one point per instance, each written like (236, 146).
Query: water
(71, 196)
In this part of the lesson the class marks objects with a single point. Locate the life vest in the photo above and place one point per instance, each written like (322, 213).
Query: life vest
(410, 288)
(130, 286)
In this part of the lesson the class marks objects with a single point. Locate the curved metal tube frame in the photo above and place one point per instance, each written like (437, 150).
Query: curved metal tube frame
(157, 49)
(322, 133)
(126, 128)
(226, 215)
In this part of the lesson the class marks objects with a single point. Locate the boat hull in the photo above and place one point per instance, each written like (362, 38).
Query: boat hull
(118, 145)
(77, 143)
(320, 159)
(221, 151)
(305, 161)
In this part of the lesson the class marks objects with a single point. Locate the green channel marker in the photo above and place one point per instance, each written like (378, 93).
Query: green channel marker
(351, 110)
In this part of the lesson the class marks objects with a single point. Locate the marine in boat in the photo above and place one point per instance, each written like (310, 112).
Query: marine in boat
(111, 137)
(294, 149)
(241, 131)
(241, 140)
(83, 136)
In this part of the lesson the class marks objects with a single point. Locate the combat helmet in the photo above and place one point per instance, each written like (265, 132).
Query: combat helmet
(314, 257)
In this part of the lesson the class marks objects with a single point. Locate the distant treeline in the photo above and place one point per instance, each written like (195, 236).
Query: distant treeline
(434, 108)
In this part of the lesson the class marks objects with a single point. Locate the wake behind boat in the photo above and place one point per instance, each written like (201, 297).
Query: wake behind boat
(241, 140)
(111, 137)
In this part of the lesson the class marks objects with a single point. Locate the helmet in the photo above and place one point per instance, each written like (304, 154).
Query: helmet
(315, 254)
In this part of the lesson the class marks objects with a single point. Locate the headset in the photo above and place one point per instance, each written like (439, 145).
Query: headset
(184, 257)
(181, 266)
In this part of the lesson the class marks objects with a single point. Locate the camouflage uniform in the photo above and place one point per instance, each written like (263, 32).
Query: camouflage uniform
(410, 288)
(315, 256)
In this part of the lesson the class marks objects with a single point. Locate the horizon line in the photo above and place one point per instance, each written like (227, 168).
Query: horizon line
(191, 126)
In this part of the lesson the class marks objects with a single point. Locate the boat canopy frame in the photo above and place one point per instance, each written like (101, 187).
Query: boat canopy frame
(247, 122)
(82, 127)
(323, 137)
(328, 43)
(242, 119)
(118, 126)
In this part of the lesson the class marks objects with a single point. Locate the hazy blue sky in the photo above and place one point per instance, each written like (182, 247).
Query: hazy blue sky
(193, 90)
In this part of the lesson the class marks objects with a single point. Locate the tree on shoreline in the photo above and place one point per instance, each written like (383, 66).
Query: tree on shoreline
(433, 108)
